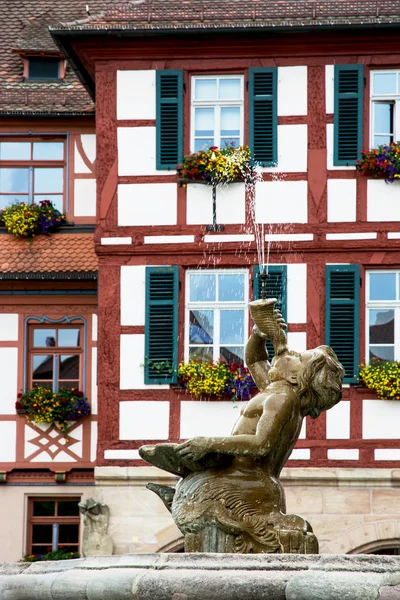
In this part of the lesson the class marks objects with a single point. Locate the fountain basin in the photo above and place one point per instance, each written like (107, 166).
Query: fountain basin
(205, 577)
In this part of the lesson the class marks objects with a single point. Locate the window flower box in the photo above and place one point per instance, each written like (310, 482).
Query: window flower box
(29, 220)
(42, 406)
(381, 163)
(216, 380)
(383, 377)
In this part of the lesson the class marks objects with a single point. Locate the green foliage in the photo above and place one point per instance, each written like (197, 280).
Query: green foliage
(383, 377)
(60, 554)
(28, 220)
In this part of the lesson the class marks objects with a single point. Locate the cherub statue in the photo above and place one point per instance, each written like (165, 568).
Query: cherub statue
(229, 497)
(96, 541)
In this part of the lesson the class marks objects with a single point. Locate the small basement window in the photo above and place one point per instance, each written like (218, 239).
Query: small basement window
(43, 68)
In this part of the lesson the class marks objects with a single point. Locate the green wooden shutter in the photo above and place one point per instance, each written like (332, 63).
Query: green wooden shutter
(276, 288)
(169, 119)
(348, 114)
(263, 115)
(342, 319)
(161, 325)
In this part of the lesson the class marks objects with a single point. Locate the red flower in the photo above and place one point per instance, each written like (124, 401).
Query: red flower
(79, 394)
(19, 395)
(18, 405)
(63, 401)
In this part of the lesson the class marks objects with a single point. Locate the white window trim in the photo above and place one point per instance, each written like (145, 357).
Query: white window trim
(216, 103)
(374, 99)
(383, 304)
(212, 305)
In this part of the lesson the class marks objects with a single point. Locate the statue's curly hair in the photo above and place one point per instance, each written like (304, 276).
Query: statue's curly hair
(320, 383)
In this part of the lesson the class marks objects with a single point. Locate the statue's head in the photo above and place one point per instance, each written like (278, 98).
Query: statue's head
(319, 381)
(285, 367)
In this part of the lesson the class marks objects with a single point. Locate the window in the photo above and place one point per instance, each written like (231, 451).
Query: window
(31, 171)
(53, 523)
(43, 68)
(383, 315)
(217, 111)
(56, 356)
(216, 316)
(385, 107)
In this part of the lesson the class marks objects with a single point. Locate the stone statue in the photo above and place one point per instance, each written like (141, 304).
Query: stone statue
(96, 541)
(229, 497)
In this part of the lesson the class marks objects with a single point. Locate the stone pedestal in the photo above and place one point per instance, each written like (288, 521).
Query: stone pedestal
(205, 577)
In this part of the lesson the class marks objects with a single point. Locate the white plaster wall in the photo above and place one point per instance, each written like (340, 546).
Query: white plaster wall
(297, 340)
(292, 150)
(300, 454)
(137, 151)
(94, 382)
(93, 441)
(383, 200)
(381, 419)
(89, 147)
(144, 420)
(94, 328)
(292, 91)
(281, 202)
(131, 364)
(8, 327)
(342, 200)
(230, 204)
(329, 153)
(8, 441)
(147, 204)
(85, 198)
(343, 454)
(79, 165)
(213, 418)
(121, 454)
(338, 421)
(297, 293)
(329, 88)
(387, 454)
(133, 281)
(8, 378)
(136, 94)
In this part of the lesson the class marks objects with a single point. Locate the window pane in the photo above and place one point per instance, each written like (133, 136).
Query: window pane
(202, 288)
(69, 367)
(383, 117)
(205, 89)
(231, 288)
(44, 338)
(232, 354)
(381, 326)
(69, 385)
(42, 367)
(14, 180)
(231, 327)
(42, 534)
(382, 286)
(39, 550)
(382, 140)
(55, 199)
(384, 83)
(48, 151)
(230, 122)
(204, 353)
(382, 352)
(201, 329)
(49, 180)
(68, 534)
(44, 68)
(44, 508)
(204, 122)
(230, 141)
(12, 199)
(67, 508)
(68, 338)
(15, 151)
(203, 144)
(229, 89)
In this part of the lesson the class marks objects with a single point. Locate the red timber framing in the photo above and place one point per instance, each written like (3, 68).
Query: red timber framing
(222, 54)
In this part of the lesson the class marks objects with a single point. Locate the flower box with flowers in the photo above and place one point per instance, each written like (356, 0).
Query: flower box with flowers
(216, 380)
(381, 163)
(42, 406)
(28, 220)
(213, 166)
(382, 376)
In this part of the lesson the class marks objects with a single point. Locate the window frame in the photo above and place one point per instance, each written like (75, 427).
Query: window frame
(31, 164)
(33, 322)
(43, 520)
(216, 104)
(243, 305)
(383, 304)
(375, 99)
